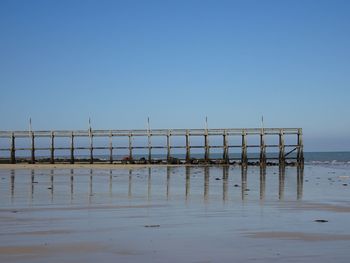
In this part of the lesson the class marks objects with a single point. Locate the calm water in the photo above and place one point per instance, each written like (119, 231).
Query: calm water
(175, 214)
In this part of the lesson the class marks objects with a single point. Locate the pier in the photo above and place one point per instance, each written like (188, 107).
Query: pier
(217, 146)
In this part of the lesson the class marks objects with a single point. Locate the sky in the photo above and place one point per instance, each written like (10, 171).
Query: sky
(177, 62)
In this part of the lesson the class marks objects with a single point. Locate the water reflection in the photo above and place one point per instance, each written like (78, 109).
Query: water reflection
(300, 182)
(32, 175)
(12, 186)
(130, 184)
(188, 182)
(224, 183)
(149, 184)
(281, 178)
(71, 179)
(168, 182)
(206, 183)
(244, 170)
(186, 178)
(262, 182)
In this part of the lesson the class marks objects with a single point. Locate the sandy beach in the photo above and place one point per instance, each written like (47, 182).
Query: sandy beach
(113, 213)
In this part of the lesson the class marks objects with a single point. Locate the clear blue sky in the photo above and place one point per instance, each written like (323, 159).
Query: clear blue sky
(177, 62)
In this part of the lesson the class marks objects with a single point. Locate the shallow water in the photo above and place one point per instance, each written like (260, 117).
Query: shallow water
(187, 214)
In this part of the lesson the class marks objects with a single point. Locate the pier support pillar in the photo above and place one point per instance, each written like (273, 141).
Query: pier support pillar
(130, 147)
(262, 148)
(188, 156)
(168, 146)
(32, 159)
(300, 148)
(244, 157)
(225, 153)
(72, 148)
(110, 148)
(13, 149)
(91, 147)
(52, 148)
(149, 147)
(281, 148)
(206, 146)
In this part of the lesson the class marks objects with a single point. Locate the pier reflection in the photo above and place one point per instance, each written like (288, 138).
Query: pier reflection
(262, 182)
(206, 183)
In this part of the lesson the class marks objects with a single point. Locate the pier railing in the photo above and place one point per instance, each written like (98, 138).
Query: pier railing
(9, 154)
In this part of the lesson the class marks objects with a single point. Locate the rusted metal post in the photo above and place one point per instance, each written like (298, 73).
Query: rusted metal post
(13, 148)
(72, 148)
(52, 148)
(300, 148)
(225, 152)
(244, 157)
(262, 148)
(188, 154)
(281, 147)
(32, 159)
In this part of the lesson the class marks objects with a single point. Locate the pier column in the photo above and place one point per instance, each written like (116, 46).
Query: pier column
(281, 147)
(149, 147)
(52, 148)
(244, 157)
(262, 148)
(72, 148)
(91, 147)
(188, 157)
(206, 146)
(168, 145)
(32, 159)
(300, 148)
(13, 149)
(110, 147)
(225, 156)
(130, 146)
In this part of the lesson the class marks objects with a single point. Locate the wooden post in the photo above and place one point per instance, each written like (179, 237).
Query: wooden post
(262, 148)
(91, 146)
(32, 148)
(52, 148)
(300, 151)
(188, 154)
(130, 146)
(13, 149)
(149, 146)
(72, 148)
(206, 146)
(225, 152)
(110, 147)
(244, 157)
(168, 145)
(281, 147)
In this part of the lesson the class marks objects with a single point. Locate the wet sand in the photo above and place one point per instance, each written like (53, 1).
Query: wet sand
(173, 214)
